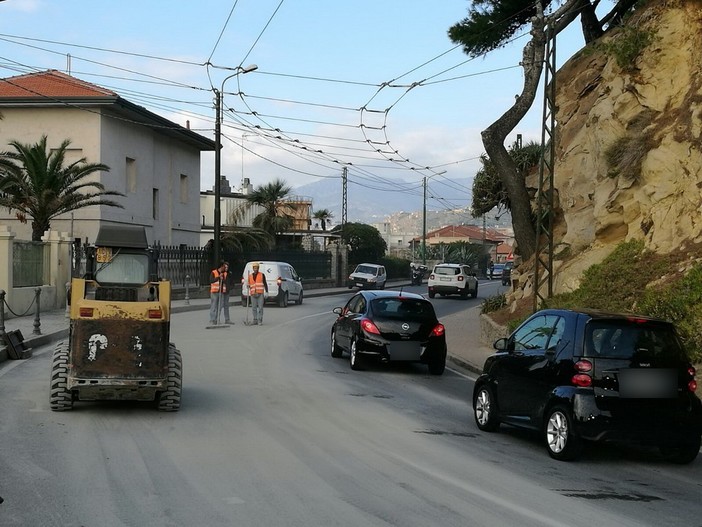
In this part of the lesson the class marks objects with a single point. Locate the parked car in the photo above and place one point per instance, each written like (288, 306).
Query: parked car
(284, 284)
(452, 279)
(507, 273)
(578, 376)
(368, 276)
(389, 326)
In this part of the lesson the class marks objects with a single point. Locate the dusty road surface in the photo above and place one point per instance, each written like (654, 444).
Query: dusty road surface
(274, 431)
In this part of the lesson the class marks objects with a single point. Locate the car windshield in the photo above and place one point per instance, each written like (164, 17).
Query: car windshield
(451, 271)
(623, 339)
(403, 308)
(367, 269)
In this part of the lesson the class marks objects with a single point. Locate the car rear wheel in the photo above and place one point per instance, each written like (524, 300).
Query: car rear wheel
(437, 365)
(683, 452)
(335, 348)
(485, 410)
(474, 294)
(283, 300)
(432, 294)
(300, 297)
(561, 441)
(354, 356)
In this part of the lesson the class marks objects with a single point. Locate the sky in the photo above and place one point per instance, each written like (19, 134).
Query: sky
(375, 87)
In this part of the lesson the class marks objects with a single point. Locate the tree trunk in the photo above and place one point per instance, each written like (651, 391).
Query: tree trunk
(494, 141)
(38, 229)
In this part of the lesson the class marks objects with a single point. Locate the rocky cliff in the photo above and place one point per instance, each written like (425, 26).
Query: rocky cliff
(629, 145)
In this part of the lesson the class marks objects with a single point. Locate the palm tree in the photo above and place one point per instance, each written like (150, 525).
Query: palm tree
(276, 217)
(323, 215)
(35, 183)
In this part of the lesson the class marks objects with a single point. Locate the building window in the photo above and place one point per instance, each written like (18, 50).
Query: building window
(155, 204)
(183, 188)
(131, 175)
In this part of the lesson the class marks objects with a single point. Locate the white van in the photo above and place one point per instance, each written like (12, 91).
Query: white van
(367, 276)
(284, 285)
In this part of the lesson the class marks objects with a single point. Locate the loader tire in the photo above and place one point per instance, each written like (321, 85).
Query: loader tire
(60, 398)
(169, 399)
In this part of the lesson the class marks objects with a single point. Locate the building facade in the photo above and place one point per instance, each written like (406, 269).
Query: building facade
(153, 161)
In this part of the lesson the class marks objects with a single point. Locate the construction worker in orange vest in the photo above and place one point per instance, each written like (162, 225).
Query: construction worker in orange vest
(258, 290)
(220, 285)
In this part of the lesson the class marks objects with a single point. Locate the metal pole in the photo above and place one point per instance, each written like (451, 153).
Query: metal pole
(218, 175)
(424, 225)
(187, 289)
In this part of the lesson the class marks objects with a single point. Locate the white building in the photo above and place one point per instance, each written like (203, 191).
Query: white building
(152, 160)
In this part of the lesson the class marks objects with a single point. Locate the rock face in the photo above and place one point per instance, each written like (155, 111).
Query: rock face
(650, 112)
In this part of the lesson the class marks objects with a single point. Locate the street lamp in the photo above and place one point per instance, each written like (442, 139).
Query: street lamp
(219, 95)
(424, 219)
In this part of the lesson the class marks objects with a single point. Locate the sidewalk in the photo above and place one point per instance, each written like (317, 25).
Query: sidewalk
(465, 350)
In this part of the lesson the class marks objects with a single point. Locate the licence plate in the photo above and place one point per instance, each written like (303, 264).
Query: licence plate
(445, 279)
(359, 284)
(642, 383)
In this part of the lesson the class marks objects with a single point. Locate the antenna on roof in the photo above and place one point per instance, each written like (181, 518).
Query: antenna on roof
(68, 63)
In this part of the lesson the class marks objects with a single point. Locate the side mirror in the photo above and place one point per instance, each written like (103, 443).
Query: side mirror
(500, 344)
(337, 311)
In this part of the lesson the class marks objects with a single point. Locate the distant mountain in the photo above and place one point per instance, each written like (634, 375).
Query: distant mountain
(366, 204)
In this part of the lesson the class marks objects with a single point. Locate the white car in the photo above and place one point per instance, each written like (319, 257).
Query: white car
(368, 276)
(452, 279)
(284, 285)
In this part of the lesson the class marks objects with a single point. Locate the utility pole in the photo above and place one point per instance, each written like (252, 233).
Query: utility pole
(424, 225)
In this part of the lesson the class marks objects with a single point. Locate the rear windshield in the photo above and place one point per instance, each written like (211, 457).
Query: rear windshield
(451, 271)
(403, 308)
(624, 339)
(124, 268)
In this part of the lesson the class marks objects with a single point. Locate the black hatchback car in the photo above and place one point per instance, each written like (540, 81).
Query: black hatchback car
(579, 376)
(390, 326)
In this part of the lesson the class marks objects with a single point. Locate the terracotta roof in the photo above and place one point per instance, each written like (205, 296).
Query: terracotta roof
(50, 83)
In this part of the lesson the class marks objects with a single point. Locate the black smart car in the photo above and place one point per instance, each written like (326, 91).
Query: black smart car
(580, 376)
(390, 326)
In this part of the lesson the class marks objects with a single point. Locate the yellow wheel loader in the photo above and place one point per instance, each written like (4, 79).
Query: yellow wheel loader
(118, 344)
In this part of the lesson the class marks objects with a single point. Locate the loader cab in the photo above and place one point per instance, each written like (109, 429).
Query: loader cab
(121, 265)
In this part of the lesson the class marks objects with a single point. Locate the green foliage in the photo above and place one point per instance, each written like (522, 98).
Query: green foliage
(620, 283)
(395, 267)
(627, 45)
(681, 303)
(367, 245)
(493, 303)
(36, 182)
(488, 191)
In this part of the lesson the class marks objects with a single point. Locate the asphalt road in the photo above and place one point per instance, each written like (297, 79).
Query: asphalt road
(274, 431)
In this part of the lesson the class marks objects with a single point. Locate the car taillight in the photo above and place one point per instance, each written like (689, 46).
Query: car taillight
(438, 330)
(279, 281)
(460, 278)
(369, 327)
(582, 378)
(692, 385)
(431, 276)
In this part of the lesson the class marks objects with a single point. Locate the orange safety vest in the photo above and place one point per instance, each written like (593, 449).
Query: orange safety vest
(256, 286)
(214, 286)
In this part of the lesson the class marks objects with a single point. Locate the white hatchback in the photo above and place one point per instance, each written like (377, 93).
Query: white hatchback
(452, 279)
